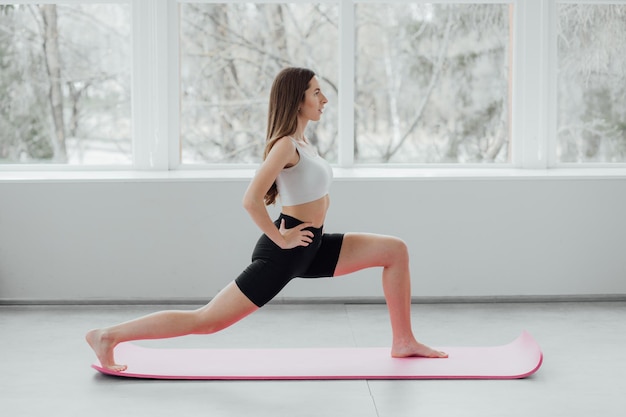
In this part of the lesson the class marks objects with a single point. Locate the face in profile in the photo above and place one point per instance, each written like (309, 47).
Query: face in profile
(312, 107)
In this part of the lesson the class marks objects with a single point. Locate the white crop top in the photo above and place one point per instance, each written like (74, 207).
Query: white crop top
(306, 181)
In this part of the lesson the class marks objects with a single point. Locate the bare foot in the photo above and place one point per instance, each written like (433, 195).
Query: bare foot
(103, 347)
(416, 349)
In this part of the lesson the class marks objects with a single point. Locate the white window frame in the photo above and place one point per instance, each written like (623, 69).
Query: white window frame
(156, 101)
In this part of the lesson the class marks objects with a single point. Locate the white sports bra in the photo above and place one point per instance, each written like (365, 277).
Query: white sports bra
(306, 181)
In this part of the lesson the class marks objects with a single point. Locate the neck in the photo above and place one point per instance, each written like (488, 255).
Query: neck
(299, 133)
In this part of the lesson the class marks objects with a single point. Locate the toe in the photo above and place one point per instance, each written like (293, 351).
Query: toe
(441, 354)
(117, 368)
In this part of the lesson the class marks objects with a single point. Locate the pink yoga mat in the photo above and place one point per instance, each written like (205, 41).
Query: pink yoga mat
(518, 359)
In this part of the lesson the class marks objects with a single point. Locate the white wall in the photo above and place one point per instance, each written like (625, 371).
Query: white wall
(184, 239)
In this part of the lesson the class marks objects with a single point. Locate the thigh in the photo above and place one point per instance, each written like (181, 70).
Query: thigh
(262, 280)
(324, 263)
(364, 250)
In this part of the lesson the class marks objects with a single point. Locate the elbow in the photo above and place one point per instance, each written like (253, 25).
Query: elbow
(246, 203)
(249, 203)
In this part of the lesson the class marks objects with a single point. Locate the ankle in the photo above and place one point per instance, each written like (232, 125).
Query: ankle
(404, 340)
(105, 337)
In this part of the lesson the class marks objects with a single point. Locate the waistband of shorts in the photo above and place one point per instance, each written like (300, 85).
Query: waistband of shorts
(291, 222)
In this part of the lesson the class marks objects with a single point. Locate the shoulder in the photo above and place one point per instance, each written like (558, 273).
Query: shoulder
(282, 153)
(282, 148)
(285, 143)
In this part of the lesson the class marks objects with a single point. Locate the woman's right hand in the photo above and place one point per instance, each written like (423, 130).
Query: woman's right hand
(295, 236)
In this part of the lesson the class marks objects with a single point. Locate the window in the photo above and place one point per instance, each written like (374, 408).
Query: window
(65, 84)
(500, 83)
(432, 83)
(230, 54)
(591, 83)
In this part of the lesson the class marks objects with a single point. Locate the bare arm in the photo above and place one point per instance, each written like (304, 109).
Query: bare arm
(282, 154)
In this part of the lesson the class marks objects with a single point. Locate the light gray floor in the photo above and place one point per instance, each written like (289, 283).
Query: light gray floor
(45, 363)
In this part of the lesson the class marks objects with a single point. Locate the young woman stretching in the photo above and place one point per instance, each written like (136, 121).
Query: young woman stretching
(292, 246)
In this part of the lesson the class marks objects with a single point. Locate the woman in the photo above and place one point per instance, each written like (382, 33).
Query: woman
(292, 246)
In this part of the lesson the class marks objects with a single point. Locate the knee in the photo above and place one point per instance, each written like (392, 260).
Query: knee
(403, 251)
(399, 251)
(203, 322)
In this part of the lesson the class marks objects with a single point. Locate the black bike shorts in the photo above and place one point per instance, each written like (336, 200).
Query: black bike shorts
(272, 267)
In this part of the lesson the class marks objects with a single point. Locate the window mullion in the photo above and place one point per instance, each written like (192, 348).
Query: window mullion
(531, 83)
(150, 84)
(551, 80)
(173, 83)
(346, 83)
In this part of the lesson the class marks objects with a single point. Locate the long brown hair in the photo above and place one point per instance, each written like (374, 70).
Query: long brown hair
(286, 96)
